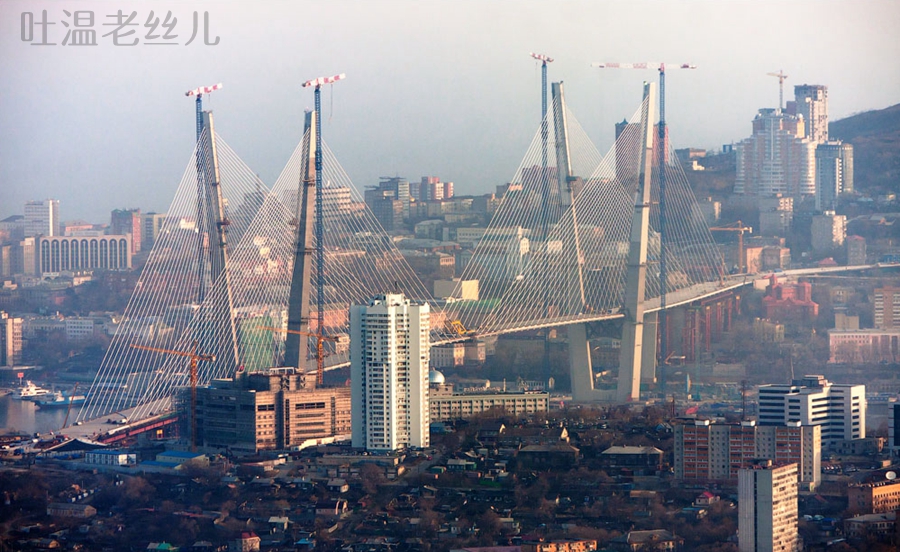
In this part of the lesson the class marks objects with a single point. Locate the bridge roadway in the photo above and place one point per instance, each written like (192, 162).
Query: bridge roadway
(91, 429)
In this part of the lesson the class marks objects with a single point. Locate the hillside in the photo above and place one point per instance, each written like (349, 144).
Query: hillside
(875, 136)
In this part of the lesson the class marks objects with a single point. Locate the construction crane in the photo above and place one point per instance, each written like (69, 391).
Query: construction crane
(69, 407)
(199, 92)
(781, 76)
(320, 210)
(320, 348)
(544, 131)
(195, 359)
(457, 327)
(740, 229)
(663, 145)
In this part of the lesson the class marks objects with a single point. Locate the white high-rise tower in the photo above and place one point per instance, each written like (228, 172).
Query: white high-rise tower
(389, 356)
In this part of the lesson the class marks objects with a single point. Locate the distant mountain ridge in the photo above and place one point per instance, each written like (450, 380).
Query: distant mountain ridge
(875, 136)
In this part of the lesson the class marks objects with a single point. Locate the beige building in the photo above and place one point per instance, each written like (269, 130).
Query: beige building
(271, 410)
(767, 508)
(874, 498)
(707, 451)
(448, 406)
(887, 307)
(455, 288)
(828, 231)
(10, 340)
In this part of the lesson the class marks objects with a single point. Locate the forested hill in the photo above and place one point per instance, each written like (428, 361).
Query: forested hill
(875, 136)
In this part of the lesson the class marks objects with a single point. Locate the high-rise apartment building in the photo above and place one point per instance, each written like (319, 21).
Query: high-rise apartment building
(42, 218)
(389, 357)
(811, 102)
(707, 451)
(834, 173)
(887, 308)
(127, 221)
(151, 226)
(776, 158)
(10, 340)
(813, 400)
(828, 231)
(767, 508)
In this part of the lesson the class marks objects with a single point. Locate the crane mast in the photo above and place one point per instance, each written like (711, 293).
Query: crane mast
(320, 215)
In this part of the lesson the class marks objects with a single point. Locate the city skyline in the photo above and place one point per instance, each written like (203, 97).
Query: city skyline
(109, 127)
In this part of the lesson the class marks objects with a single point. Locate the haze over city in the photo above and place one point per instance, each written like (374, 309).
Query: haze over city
(431, 88)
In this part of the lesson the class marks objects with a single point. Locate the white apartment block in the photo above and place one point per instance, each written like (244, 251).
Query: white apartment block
(767, 508)
(812, 103)
(389, 357)
(812, 400)
(776, 158)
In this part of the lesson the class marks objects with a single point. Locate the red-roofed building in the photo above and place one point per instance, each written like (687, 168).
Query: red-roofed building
(789, 302)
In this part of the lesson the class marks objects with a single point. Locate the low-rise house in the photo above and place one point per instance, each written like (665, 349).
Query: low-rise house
(559, 455)
(247, 542)
(338, 485)
(871, 527)
(560, 546)
(63, 509)
(639, 460)
(655, 539)
(331, 508)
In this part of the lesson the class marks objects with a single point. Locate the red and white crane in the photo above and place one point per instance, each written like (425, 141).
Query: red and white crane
(199, 92)
(323, 80)
(203, 90)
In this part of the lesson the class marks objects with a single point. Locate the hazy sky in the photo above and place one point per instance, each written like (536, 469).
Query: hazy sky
(433, 88)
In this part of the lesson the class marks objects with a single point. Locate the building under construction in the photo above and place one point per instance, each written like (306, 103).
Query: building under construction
(272, 410)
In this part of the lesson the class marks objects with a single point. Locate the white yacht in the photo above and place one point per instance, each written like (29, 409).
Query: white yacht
(29, 391)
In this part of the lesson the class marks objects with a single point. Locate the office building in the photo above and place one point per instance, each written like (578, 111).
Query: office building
(834, 173)
(811, 103)
(864, 346)
(874, 497)
(10, 340)
(776, 158)
(887, 307)
(828, 231)
(42, 218)
(389, 357)
(767, 508)
(856, 250)
(275, 409)
(127, 221)
(71, 253)
(707, 451)
(813, 400)
(447, 405)
(151, 226)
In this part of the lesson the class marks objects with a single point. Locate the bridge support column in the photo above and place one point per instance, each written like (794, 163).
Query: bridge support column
(648, 354)
(581, 372)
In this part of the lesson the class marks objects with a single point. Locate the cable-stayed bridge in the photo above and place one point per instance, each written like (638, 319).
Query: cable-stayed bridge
(575, 240)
